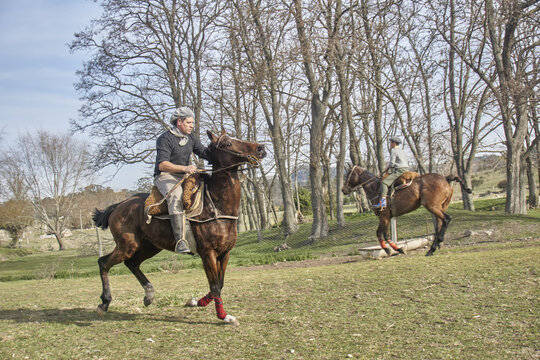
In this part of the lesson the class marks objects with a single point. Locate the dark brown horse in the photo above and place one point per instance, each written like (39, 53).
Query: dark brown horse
(433, 191)
(215, 236)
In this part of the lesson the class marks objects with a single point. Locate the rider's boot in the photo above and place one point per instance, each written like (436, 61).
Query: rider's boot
(177, 223)
(381, 204)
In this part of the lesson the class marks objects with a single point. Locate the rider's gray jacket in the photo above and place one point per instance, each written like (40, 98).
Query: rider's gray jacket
(398, 159)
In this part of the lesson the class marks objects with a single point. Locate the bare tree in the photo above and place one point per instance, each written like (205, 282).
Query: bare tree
(319, 78)
(146, 59)
(263, 33)
(508, 44)
(53, 168)
(466, 96)
(16, 212)
(345, 49)
(372, 72)
(533, 159)
(15, 217)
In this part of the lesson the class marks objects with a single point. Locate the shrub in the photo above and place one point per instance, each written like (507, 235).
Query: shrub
(305, 200)
(476, 182)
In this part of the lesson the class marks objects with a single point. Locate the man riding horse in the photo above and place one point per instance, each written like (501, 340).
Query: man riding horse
(173, 151)
(397, 166)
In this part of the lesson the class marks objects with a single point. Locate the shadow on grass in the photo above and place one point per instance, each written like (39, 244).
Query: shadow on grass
(88, 317)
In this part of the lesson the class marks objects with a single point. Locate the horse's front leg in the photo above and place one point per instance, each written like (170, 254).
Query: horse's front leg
(215, 272)
(382, 233)
(221, 264)
(384, 236)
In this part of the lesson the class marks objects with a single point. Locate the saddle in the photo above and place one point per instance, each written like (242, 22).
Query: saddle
(192, 186)
(404, 180)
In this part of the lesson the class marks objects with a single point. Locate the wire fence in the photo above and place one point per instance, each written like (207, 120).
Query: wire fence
(358, 231)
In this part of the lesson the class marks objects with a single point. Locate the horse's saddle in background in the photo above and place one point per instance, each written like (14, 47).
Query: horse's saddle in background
(192, 198)
(404, 180)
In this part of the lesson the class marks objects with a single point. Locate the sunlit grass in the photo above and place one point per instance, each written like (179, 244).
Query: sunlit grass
(466, 302)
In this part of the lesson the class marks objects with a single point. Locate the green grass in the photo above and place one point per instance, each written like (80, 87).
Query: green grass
(477, 301)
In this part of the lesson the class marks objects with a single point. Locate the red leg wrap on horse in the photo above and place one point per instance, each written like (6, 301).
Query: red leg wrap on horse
(205, 300)
(394, 246)
(220, 311)
(382, 243)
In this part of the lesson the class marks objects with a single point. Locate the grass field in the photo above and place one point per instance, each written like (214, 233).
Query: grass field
(478, 297)
(465, 302)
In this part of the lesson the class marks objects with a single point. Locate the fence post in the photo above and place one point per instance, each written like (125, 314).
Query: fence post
(100, 250)
(393, 229)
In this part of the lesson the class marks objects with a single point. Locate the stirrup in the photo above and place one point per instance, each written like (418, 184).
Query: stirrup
(182, 247)
(381, 204)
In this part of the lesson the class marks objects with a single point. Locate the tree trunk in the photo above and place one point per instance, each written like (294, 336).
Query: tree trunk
(533, 194)
(259, 198)
(271, 107)
(511, 100)
(468, 203)
(60, 240)
(375, 63)
(346, 119)
(515, 178)
(319, 227)
(289, 224)
(354, 144)
(340, 214)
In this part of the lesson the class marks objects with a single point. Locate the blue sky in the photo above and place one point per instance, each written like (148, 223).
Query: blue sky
(37, 71)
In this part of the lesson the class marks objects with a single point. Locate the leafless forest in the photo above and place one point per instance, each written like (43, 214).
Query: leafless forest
(322, 84)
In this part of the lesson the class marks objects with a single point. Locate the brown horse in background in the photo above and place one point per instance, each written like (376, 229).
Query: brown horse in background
(215, 230)
(433, 191)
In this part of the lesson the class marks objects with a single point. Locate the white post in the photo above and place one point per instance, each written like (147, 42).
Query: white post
(393, 229)
(100, 249)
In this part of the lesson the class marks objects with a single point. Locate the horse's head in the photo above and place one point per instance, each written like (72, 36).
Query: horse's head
(352, 179)
(228, 151)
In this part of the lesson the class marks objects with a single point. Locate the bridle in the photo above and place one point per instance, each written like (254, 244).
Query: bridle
(252, 161)
(359, 185)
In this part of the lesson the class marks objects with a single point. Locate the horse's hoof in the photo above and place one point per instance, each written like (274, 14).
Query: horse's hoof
(148, 301)
(191, 303)
(429, 253)
(402, 251)
(100, 311)
(387, 251)
(231, 320)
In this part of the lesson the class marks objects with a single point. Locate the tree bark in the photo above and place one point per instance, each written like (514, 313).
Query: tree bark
(319, 90)
(510, 98)
(272, 110)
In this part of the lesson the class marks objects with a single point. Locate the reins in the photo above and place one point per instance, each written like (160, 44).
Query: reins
(252, 160)
(361, 184)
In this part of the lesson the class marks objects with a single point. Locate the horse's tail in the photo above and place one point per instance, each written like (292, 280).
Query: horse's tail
(101, 217)
(451, 178)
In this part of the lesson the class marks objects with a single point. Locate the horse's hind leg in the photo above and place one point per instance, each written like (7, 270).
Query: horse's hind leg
(105, 264)
(443, 219)
(145, 252)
